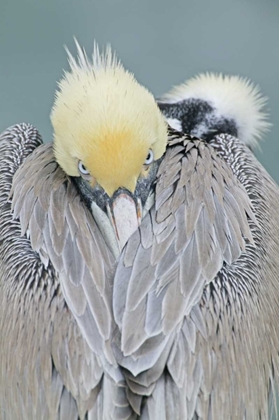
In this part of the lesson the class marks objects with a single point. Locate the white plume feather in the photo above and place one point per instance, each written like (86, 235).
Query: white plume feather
(100, 60)
(232, 97)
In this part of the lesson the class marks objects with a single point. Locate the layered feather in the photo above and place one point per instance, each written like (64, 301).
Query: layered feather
(55, 320)
(201, 305)
(200, 224)
(205, 331)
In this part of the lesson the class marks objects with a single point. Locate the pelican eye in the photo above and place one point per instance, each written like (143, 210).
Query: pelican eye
(149, 158)
(82, 169)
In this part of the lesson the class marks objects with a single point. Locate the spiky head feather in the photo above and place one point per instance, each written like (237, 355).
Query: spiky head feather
(232, 97)
(103, 117)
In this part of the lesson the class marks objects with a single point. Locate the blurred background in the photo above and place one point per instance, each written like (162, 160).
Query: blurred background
(162, 42)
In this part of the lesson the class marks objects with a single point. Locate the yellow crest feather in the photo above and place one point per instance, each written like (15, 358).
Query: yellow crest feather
(105, 118)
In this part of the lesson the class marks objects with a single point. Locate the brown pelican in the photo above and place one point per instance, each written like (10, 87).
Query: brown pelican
(138, 267)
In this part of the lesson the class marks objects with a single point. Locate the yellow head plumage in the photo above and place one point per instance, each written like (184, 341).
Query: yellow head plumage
(104, 118)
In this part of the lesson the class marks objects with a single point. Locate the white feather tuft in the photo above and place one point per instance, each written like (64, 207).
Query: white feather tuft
(232, 97)
(100, 60)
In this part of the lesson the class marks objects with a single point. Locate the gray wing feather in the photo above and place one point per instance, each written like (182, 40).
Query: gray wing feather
(198, 223)
(67, 233)
(213, 365)
(57, 375)
(68, 408)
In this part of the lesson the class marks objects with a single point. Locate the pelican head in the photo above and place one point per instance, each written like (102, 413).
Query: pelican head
(108, 131)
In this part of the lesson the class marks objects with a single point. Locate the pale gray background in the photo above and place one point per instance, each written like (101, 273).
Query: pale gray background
(163, 42)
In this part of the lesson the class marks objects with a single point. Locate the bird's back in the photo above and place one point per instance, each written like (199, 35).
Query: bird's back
(199, 280)
(218, 358)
